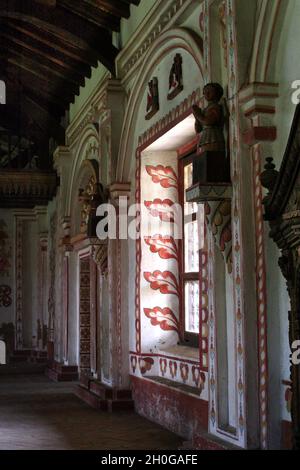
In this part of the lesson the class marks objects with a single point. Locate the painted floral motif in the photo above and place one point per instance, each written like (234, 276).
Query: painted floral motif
(164, 246)
(5, 296)
(145, 364)
(163, 366)
(164, 209)
(164, 317)
(163, 175)
(165, 282)
(184, 371)
(173, 369)
(198, 377)
(5, 250)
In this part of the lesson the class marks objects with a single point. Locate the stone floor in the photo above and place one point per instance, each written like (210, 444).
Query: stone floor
(37, 414)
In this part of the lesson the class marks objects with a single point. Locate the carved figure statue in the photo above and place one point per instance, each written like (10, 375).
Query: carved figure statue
(212, 164)
(210, 121)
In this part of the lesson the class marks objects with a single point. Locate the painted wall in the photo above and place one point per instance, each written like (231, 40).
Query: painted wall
(157, 63)
(137, 15)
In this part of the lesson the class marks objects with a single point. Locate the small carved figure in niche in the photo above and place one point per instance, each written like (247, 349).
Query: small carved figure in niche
(175, 78)
(213, 163)
(152, 98)
(210, 120)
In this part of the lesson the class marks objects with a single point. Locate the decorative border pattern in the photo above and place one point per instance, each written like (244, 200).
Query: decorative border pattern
(138, 259)
(19, 283)
(204, 314)
(5, 296)
(261, 297)
(179, 370)
(240, 438)
(85, 316)
(206, 41)
(119, 314)
(142, 47)
(235, 146)
(171, 119)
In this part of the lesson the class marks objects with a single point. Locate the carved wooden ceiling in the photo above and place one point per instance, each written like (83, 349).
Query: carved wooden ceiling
(47, 49)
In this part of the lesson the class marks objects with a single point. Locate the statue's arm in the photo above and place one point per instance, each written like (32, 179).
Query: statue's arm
(211, 116)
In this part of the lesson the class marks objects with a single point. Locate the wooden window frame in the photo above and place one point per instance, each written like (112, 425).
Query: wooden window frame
(186, 338)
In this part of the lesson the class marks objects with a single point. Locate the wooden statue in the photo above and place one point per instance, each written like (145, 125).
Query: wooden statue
(212, 164)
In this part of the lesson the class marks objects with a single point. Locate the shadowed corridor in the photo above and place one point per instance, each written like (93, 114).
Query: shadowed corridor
(37, 414)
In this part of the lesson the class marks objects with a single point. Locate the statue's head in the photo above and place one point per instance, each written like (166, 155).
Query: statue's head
(213, 92)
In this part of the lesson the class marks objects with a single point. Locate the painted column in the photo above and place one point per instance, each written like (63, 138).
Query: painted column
(258, 104)
(119, 344)
(42, 293)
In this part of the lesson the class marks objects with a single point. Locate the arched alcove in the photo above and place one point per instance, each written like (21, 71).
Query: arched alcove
(177, 40)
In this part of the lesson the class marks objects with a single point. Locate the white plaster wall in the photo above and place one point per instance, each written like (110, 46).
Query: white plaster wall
(137, 14)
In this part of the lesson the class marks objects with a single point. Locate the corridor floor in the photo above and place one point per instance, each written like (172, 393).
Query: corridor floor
(37, 414)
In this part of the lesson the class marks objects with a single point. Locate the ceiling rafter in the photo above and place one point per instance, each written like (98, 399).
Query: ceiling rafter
(47, 50)
(91, 13)
(26, 55)
(120, 9)
(41, 50)
(55, 43)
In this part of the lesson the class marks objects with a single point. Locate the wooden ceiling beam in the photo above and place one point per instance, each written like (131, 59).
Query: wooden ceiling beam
(69, 27)
(41, 82)
(119, 9)
(52, 42)
(35, 47)
(29, 55)
(40, 70)
(92, 14)
(17, 79)
(134, 2)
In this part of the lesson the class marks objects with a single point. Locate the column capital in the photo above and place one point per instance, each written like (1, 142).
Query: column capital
(117, 190)
(61, 157)
(258, 104)
(259, 98)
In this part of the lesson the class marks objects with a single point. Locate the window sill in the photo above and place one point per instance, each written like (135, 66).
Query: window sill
(182, 352)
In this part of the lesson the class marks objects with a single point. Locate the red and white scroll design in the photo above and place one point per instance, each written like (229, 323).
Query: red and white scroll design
(159, 287)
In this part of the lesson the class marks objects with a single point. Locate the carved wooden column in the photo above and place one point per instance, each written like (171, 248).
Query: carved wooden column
(282, 210)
